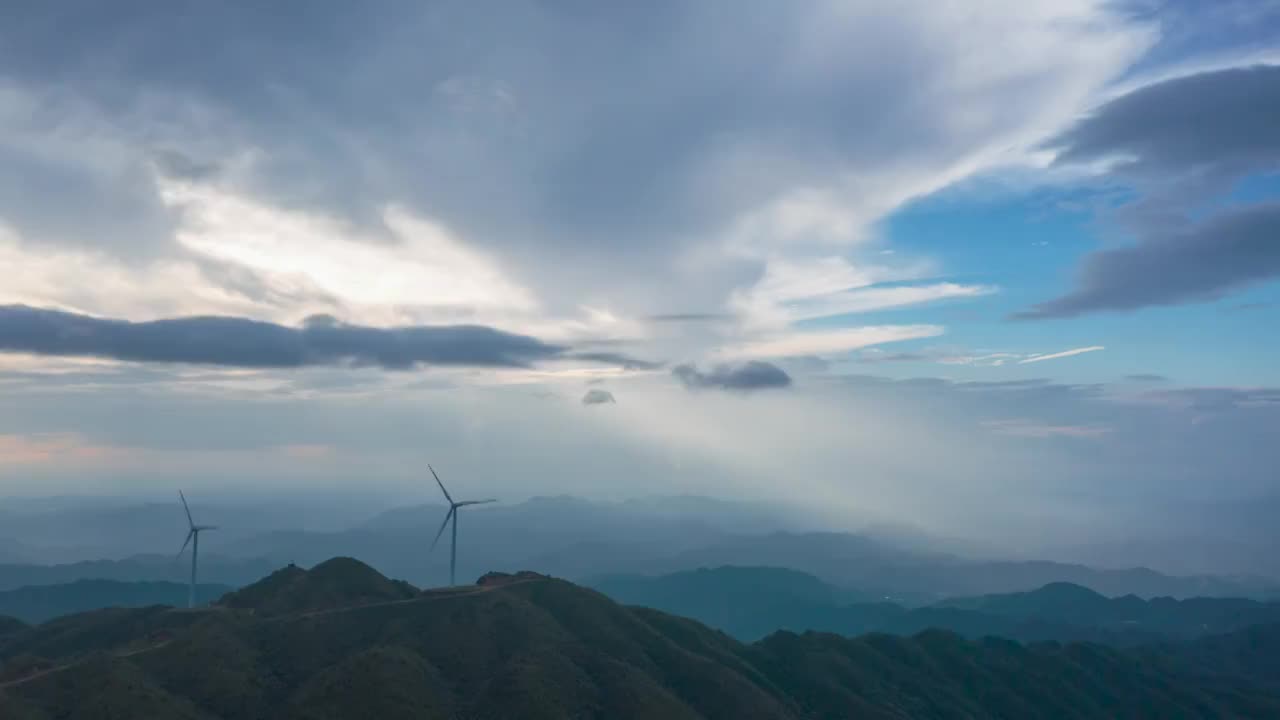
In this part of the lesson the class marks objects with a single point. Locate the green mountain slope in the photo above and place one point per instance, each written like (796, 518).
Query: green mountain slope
(534, 647)
(10, 627)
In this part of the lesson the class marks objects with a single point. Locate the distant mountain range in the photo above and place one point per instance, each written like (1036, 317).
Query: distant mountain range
(142, 568)
(528, 646)
(37, 603)
(750, 603)
(576, 539)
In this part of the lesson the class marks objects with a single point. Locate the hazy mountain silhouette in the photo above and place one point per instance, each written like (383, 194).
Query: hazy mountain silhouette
(1067, 603)
(144, 568)
(577, 539)
(63, 530)
(750, 603)
(863, 562)
(37, 603)
(534, 647)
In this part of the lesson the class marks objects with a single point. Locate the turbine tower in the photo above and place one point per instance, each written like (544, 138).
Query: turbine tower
(193, 539)
(452, 515)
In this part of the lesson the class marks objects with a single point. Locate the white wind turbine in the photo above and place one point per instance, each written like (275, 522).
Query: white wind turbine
(452, 514)
(193, 539)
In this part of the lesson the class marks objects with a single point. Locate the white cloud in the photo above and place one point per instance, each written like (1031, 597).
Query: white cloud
(791, 291)
(883, 298)
(827, 342)
(988, 359)
(958, 356)
(96, 283)
(1064, 353)
(422, 273)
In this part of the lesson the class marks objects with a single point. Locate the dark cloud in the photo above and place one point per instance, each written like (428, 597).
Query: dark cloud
(1233, 249)
(1182, 143)
(179, 165)
(753, 375)
(1222, 119)
(238, 342)
(1146, 377)
(596, 396)
(806, 364)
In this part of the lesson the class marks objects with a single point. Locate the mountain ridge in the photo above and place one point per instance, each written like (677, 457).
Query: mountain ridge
(38, 603)
(752, 602)
(528, 645)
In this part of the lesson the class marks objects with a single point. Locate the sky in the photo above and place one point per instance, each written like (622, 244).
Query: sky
(1001, 270)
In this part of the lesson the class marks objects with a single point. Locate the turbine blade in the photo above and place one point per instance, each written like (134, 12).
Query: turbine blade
(443, 525)
(190, 522)
(185, 543)
(476, 502)
(206, 527)
(437, 477)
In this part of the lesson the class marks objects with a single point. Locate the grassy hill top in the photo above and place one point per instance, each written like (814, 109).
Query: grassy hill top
(340, 582)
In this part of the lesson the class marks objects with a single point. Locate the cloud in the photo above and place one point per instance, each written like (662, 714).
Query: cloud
(419, 262)
(1211, 122)
(805, 364)
(690, 317)
(596, 396)
(876, 355)
(1211, 399)
(943, 356)
(626, 362)
(1146, 377)
(752, 375)
(1021, 427)
(991, 359)
(1203, 261)
(1064, 353)
(792, 291)
(829, 342)
(237, 342)
(1182, 143)
(37, 449)
(748, 131)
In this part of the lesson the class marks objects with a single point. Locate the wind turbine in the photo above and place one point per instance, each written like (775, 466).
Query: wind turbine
(193, 539)
(452, 514)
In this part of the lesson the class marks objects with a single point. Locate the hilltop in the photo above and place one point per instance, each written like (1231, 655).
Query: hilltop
(336, 583)
(527, 645)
